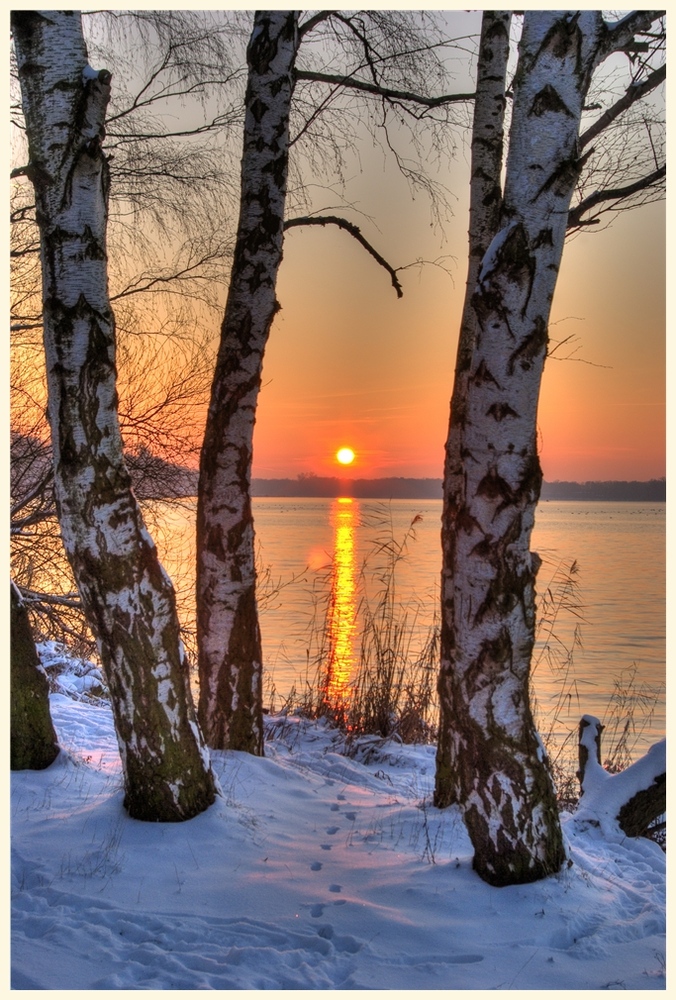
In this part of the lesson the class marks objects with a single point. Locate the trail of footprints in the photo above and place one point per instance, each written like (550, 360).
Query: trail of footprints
(317, 909)
(347, 943)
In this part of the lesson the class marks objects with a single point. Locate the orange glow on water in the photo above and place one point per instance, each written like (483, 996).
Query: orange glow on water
(343, 608)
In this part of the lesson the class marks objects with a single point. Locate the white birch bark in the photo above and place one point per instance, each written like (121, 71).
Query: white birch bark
(497, 761)
(230, 658)
(128, 598)
(484, 220)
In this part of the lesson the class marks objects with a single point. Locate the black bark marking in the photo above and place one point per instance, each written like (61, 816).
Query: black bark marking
(483, 375)
(563, 177)
(464, 521)
(257, 109)
(549, 100)
(636, 815)
(564, 37)
(511, 576)
(495, 657)
(530, 483)
(532, 347)
(493, 487)
(501, 410)
(213, 542)
(545, 238)
(261, 50)
(492, 197)
(484, 548)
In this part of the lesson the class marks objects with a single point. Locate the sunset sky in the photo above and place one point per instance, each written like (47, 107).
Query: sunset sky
(350, 364)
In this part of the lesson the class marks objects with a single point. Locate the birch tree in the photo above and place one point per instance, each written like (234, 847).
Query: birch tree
(490, 759)
(229, 651)
(172, 110)
(126, 594)
(385, 48)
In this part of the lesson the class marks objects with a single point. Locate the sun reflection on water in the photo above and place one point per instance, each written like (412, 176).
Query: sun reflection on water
(342, 625)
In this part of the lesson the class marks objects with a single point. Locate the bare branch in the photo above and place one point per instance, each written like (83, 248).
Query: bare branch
(634, 93)
(621, 34)
(385, 92)
(143, 282)
(38, 490)
(612, 194)
(323, 15)
(71, 600)
(23, 327)
(349, 227)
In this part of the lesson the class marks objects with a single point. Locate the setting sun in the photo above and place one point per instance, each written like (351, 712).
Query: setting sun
(345, 456)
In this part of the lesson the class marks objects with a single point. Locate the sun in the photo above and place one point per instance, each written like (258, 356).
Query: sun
(345, 456)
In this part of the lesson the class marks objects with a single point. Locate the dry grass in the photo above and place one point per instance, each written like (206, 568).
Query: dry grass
(392, 690)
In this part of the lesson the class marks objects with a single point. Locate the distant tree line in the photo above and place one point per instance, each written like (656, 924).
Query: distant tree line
(403, 488)
(654, 490)
(393, 487)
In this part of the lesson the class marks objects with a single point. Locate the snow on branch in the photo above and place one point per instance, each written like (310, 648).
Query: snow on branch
(349, 227)
(621, 34)
(629, 801)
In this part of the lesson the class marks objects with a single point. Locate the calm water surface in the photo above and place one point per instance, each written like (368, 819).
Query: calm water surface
(323, 545)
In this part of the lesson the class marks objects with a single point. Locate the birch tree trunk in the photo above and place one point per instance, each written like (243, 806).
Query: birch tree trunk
(229, 643)
(127, 596)
(492, 754)
(33, 743)
(484, 221)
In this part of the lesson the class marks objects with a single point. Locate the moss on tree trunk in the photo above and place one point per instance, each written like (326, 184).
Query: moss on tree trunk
(33, 742)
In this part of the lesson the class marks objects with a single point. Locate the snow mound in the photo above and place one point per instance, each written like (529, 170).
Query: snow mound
(69, 675)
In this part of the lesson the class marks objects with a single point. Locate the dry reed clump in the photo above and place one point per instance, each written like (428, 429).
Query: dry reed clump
(392, 689)
(629, 711)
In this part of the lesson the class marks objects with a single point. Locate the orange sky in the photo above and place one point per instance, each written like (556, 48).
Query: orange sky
(350, 364)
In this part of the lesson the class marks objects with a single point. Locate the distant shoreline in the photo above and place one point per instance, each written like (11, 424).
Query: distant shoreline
(402, 488)
(181, 481)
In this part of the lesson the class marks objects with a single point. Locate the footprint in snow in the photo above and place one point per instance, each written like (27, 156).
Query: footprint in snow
(335, 807)
(341, 798)
(351, 815)
(316, 910)
(325, 847)
(332, 829)
(316, 866)
(335, 888)
(342, 942)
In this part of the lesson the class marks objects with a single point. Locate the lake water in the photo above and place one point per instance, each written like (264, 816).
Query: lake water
(329, 549)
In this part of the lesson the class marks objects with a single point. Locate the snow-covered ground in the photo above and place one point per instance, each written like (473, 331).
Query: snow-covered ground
(314, 870)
